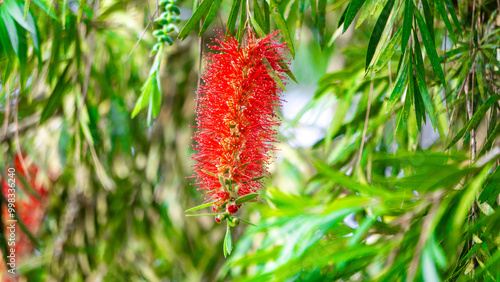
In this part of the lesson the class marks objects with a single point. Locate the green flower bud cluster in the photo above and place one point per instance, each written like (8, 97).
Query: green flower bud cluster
(166, 22)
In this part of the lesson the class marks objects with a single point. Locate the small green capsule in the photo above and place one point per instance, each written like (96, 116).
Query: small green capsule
(165, 15)
(173, 9)
(156, 47)
(236, 221)
(158, 33)
(162, 21)
(166, 39)
(168, 28)
(176, 19)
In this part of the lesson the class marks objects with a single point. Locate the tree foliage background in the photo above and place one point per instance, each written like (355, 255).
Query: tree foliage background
(403, 184)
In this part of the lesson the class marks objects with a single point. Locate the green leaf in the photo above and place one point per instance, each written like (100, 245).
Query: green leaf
(44, 8)
(55, 98)
(272, 74)
(258, 29)
(22, 54)
(314, 12)
(407, 24)
(267, 15)
(228, 244)
(352, 11)
(429, 106)
(444, 15)
(390, 49)
(203, 214)
(321, 22)
(361, 230)
(259, 16)
(451, 10)
(10, 28)
(156, 99)
(241, 27)
(377, 32)
(429, 271)
(11, 7)
(195, 18)
(247, 222)
(429, 18)
(429, 47)
(199, 207)
(214, 9)
(34, 35)
(491, 189)
(287, 70)
(475, 120)
(143, 100)
(401, 82)
(26, 7)
(491, 138)
(246, 198)
(280, 22)
(233, 16)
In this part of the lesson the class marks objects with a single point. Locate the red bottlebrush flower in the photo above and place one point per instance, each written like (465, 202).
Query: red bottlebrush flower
(236, 115)
(232, 208)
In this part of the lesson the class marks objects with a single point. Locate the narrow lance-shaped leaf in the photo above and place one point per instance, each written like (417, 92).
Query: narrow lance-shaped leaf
(377, 31)
(407, 24)
(10, 29)
(399, 87)
(451, 10)
(429, 18)
(214, 9)
(390, 49)
(273, 74)
(429, 47)
(287, 70)
(492, 188)
(203, 214)
(322, 22)
(14, 10)
(475, 120)
(258, 15)
(233, 15)
(256, 26)
(267, 15)
(228, 244)
(195, 18)
(199, 207)
(246, 198)
(280, 22)
(241, 27)
(444, 15)
(426, 99)
(492, 137)
(247, 222)
(352, 11)
(55, 98)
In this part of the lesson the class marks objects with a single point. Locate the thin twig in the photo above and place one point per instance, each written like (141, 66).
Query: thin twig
(144, 32)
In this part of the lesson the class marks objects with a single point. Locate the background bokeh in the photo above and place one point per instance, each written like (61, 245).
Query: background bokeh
(373, 178)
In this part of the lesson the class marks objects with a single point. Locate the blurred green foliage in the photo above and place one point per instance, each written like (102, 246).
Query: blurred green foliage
(404, 184)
